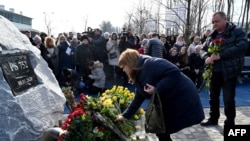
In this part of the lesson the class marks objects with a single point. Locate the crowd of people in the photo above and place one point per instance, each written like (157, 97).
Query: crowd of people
(91, 60)
(178, 94)
(75, 52)
(61, 52)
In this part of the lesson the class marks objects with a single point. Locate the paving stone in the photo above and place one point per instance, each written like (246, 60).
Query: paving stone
(212, 133)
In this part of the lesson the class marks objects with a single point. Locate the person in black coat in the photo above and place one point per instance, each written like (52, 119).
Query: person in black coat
(84, 52)
(227, 65)
(180, 100)
(72, 79)
(196, 67)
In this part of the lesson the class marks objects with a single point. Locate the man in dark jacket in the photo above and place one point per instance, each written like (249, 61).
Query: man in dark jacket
(227, 65)
(155, 46)
(28, 34)
(99, 44)
(83, 53)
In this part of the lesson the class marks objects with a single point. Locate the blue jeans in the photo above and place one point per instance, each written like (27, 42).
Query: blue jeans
(228, 87)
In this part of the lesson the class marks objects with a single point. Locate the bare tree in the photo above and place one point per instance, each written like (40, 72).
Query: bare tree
(188, 25)
(182, 16)
(85, 22)
(244, 13)
(158, 17)
(128, 24)
(106, 26)
(173, 8)
(139, 17)
(218, 5)
(202, 6)
(241, 11)
(48, 22)
(199, 15)
(183, 22)
(230, 9)
(247, 15)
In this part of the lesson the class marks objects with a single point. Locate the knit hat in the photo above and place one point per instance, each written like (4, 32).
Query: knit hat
(84, 37)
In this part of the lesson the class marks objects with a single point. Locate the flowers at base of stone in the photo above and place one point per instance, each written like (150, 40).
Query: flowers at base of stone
(82, 125)
(93, 118)
(70, 98)
(214, 48)
(121, 98)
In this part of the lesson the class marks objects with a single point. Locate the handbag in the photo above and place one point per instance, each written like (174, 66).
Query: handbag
(113, 55)
(154, 119)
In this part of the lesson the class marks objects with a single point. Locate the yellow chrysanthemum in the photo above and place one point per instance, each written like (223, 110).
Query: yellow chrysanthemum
(141, 111)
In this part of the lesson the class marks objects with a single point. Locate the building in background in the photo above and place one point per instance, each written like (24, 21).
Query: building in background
(23, 23)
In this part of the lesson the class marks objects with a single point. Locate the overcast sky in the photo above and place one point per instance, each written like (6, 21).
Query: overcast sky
(69, 14)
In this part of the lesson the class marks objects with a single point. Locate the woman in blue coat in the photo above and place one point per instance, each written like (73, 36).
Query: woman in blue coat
(180, 100)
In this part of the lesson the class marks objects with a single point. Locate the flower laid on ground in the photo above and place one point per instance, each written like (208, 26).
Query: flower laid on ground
(93, 118)
(70, 98)
(215, 48)
(121, 97)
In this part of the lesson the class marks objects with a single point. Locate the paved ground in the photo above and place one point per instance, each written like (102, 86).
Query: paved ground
(212, 133)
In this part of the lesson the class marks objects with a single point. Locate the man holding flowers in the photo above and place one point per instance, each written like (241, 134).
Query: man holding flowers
(224, 51)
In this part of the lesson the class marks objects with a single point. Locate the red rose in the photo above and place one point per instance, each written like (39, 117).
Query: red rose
(82, 96)
(67, 121)
(64, 126)
(70, 115)
(216, 41)
(100, 128)
(222, 40)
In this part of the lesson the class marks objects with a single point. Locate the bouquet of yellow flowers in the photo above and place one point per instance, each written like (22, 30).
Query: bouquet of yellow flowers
(93, 118)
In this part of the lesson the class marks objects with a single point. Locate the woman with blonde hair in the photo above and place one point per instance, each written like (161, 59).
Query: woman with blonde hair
(52, 55)
(180, 42)
(66, 54)
(179, 97)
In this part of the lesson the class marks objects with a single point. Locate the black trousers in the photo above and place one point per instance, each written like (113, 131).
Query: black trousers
(164, 137)
(228, 87)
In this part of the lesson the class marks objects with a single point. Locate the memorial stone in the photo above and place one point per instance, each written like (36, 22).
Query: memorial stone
(31, 100)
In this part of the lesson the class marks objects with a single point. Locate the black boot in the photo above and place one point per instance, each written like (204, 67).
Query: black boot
(209, 122)
(228, 122)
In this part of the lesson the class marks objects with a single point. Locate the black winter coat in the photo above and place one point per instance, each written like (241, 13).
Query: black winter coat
(232, 51)
(83, 53)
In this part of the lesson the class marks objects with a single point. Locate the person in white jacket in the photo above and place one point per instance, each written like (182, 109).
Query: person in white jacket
(98, 76)
(113, 55)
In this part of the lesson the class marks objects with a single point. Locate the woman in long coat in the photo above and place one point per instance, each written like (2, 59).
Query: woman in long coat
(66, 54)
(180, 100)
(52, 57)
(83, 53)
